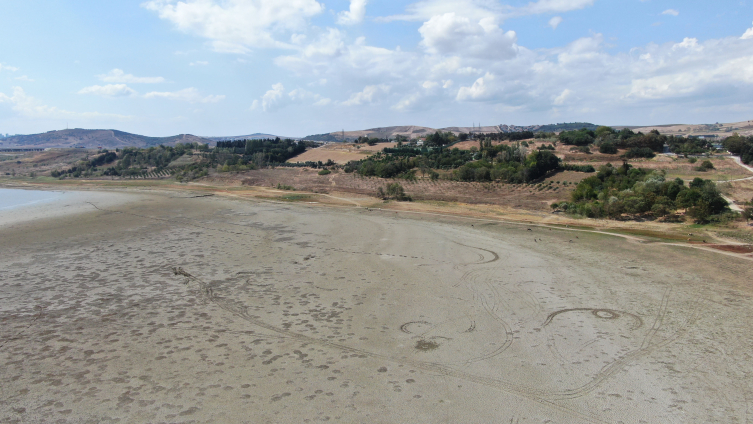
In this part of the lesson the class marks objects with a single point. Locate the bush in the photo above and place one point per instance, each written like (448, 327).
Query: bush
(324, 172)
(578, 168)
(692, 160)
(582, 137)
(581, 149)
(608, 148)
(705, 166)
(393, 191)
(639, 152)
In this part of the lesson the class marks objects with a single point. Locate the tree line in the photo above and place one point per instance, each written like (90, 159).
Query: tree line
(740, 146)
(617, 191)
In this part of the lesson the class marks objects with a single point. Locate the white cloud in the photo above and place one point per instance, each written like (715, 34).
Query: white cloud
(109, 90)
(688, 44)
(671, 12)
(450, 34)
(554, 6)
(480, 90)
(273, 98)
(465, 56)
(24, 78)
(409, 102)
(8, 68)
(199, 63)
(118, 76)
(562, 98)
(276, 98)
(426, 9)
(370, 94)
(236, 26)
(555, 22)
(190, 95)
(354, 15)
(30, 108)
(748, 34)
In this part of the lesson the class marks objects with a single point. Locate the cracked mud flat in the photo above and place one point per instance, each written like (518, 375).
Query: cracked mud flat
(169, 309)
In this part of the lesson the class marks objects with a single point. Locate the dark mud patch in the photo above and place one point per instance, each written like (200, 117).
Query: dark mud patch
(426, 345)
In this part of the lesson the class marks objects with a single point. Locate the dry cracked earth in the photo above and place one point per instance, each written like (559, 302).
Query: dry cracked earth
(194, 310)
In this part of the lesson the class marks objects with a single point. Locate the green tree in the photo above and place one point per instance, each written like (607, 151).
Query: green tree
(608, 148)
(601, 132)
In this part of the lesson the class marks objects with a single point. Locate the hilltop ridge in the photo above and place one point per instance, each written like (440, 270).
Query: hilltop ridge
(110, 139)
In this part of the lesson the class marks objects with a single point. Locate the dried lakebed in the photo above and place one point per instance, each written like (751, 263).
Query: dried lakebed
(176, 309)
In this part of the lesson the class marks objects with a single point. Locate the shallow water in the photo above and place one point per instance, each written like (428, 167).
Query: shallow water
(15, 198)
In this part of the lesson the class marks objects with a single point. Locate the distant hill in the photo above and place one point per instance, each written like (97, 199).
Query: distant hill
(254, 136)
(566, 127)
(95, 138)
(412, 131)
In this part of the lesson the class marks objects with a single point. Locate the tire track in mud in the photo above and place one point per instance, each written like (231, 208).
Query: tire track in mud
(596, 311)
(495, 256)
(659, 318)
(432, 367)
(541, 396)
(192, 222)
(617, 366)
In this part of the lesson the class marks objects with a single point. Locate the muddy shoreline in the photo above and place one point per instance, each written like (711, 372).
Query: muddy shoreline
(175, 308)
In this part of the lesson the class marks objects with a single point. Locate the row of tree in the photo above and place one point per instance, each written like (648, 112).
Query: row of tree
(740, 146)
(275, 150)
(617, 191)
(502, 162)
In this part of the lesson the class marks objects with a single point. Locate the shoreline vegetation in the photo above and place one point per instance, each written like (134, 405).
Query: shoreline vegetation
(597, 195)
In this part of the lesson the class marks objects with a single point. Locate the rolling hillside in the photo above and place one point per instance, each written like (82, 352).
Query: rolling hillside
(94, 138)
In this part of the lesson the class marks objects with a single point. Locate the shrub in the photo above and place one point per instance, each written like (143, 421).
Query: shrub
(608, 148)
(393, 191)
(324, 172)
(705, 166)
(639, 152)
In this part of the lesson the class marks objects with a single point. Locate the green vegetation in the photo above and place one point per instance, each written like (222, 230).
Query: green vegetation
(272, 151)
(567, 127)
(87, 167)
(705, 166)
(748, 211)
(324, 172)
(608, 148)
(188, 161)
(393, 191)
(688, 146)
(617, 191)
(285, 187)
(440, 139)
(639, 152)
(510, 163)
(511, 136)
(740, 146)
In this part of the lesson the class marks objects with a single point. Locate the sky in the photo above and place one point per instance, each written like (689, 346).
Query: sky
(301, 67)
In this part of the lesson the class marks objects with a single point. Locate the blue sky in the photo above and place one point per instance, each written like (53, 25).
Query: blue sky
(298, 67)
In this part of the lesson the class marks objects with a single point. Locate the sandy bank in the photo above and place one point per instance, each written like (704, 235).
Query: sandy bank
(65, 204)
